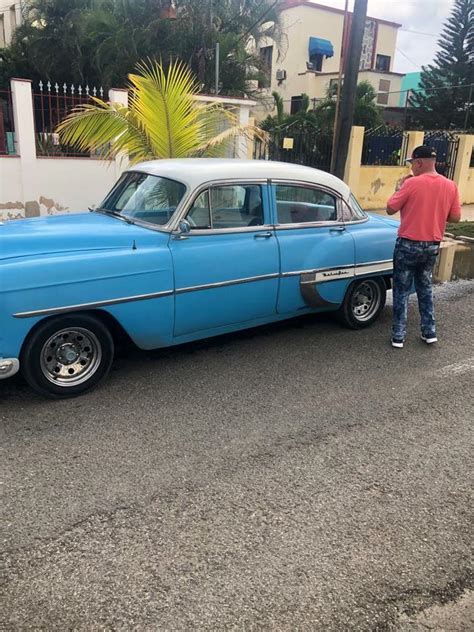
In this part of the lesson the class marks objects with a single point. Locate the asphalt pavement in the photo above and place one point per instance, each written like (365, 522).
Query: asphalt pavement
(298, 476)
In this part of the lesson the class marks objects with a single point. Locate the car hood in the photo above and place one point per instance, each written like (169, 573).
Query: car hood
(82, 232)
(388, 221)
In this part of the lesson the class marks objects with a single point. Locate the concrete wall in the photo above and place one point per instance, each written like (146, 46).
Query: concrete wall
(56, 185)
(469, 194)
(32, 185)
(377, 184)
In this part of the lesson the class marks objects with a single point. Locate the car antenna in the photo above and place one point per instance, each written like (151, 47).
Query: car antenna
(134, 246)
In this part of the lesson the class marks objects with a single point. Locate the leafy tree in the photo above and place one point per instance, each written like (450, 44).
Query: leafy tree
(442, 99)
(101, 41)
(163, 119)
(366, 112)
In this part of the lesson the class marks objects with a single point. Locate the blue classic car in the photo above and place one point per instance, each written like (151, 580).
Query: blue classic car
(181, 250)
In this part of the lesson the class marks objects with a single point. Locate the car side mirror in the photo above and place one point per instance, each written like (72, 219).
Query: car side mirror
(184, 228)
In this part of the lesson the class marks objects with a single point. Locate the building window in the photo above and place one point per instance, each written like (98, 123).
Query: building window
(317, 62)
(296, 104)
(266, 56)
(2, 32)
(383, 63)
(384, 89)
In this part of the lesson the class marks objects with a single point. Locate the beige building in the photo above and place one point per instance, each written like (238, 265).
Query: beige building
(10, 17)
(309, 56)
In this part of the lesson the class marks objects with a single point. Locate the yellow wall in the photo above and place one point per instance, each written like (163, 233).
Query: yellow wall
(377, 184)
(374, 77)
(469, 189)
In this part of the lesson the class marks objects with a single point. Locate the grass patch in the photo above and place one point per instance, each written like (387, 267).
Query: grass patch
(461, 229)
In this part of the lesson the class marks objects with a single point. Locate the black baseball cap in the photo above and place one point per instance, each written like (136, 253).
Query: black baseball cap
(423, 151)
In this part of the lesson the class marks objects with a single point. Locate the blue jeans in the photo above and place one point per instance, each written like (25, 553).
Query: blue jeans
(413, 261)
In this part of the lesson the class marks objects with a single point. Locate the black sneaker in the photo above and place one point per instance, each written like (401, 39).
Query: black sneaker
(430, 339)
(398, 343)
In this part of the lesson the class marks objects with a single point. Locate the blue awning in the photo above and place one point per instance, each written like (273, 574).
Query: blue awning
(318, 46)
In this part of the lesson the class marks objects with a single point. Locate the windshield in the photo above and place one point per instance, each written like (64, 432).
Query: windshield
(145, 197)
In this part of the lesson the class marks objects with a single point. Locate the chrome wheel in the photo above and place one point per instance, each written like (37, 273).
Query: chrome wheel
(71, 356)
(366, 300)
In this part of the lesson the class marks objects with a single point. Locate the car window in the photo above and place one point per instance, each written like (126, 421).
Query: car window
(300, 204)
(142, 196)
(227, 206)
(356, 208)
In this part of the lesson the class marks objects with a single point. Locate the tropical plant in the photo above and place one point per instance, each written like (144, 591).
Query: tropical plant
(100, 41)
(442, 100)
(164, 119)
(366, 113)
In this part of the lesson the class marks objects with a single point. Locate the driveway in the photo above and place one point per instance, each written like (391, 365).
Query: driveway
(294, 477)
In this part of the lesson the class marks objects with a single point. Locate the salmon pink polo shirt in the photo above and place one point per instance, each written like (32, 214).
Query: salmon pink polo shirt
(425, 202)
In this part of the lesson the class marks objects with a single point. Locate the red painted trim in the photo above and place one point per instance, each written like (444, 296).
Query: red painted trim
(291, 4)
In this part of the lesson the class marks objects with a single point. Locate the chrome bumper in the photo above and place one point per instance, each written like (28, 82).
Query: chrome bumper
(8, 367)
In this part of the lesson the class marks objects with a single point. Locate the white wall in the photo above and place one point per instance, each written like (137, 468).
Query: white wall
(31, 186)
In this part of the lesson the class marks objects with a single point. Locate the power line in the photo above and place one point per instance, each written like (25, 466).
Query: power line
(406, 57)
(421, 33)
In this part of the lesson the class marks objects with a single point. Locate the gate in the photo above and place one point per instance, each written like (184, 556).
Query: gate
(384, 146)
(311, 148)
(446, 145)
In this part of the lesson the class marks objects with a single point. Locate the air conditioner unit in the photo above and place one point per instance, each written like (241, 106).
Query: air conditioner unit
(281, 75)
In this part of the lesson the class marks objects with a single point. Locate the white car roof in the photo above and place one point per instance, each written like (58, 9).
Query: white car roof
(196, 171)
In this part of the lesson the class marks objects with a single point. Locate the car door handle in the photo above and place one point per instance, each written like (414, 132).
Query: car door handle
(337, 229)
(265, 235)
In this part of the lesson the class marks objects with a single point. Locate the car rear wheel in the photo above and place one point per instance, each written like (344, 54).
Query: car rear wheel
(363, 303)
(67, 356)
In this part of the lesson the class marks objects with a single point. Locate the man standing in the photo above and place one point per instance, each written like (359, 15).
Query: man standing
(426, 201)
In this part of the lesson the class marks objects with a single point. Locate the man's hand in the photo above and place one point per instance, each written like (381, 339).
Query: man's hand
(402, 180)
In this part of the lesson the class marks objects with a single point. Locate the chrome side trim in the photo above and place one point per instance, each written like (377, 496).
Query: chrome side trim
(81, 306)
(308, 277)
(210, 286)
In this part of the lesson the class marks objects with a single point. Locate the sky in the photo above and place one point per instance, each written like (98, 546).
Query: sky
(424, 16)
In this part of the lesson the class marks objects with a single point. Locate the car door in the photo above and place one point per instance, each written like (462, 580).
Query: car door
(317, 253)
(227, 267)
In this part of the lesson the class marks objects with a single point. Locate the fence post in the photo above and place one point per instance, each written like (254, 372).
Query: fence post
(119, 96)
(463, 160)
(415, 139)
(242, 149)
(25, 142)
(354, 158)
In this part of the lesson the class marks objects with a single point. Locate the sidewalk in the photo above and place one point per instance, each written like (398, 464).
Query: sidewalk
(467, 213)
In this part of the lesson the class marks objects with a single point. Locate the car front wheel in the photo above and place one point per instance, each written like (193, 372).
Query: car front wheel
(363, 303)
(67, 356)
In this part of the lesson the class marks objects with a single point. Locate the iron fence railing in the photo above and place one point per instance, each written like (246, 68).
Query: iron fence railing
(7, 125)
(312, 148)
(51, 105)
(384, 146)
(446, 145)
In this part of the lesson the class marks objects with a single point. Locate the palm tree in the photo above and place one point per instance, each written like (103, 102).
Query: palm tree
(366, 112)
(164, 119)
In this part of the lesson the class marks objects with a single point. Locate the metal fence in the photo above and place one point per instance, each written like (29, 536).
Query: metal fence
(51, 105)
(384, 146)
(7, 126)
(446, 145)
(304, 147)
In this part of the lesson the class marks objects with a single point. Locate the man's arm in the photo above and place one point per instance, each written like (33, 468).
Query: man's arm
(400, 196)
(455, 211)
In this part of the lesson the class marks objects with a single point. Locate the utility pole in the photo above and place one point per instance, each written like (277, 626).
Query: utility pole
(217, 67)
(349, 87)
(339, 85)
